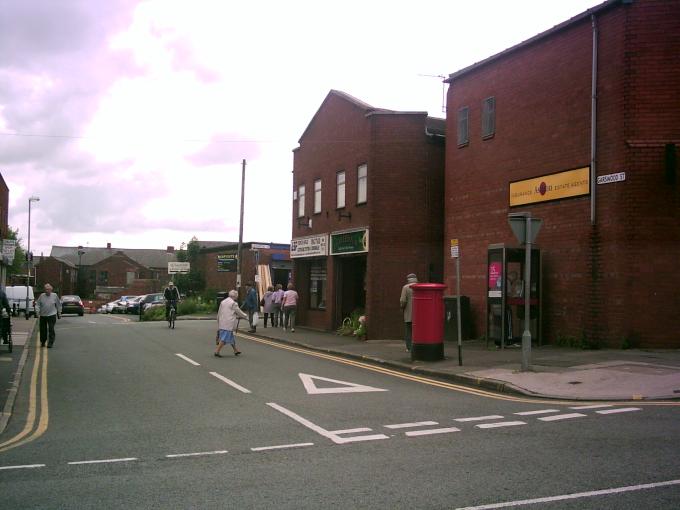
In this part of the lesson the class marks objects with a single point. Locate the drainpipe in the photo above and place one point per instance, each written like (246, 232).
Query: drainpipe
(593, 125)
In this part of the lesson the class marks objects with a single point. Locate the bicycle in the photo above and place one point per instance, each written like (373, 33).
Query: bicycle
(172, 314)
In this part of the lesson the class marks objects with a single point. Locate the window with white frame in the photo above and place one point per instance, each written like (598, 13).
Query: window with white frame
(301, 201)
(362, 183)
(340, 203)
(317, 284)
(488, 117)
(317, 196)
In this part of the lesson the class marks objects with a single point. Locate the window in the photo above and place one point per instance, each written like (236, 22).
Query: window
(340, 190)
(317, 285)
(103, 277)
(362, 182)
(301, 201)
(488, 117)
(317, 196)
(463, 127)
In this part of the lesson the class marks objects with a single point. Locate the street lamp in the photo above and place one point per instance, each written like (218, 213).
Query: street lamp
(81, 251)
(28, 254)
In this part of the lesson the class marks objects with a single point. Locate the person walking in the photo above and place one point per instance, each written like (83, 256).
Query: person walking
(406, 304)
(49, 310)
(276, 306)
(268, 304)
(289, 304)
(250, 306)
(227, 320)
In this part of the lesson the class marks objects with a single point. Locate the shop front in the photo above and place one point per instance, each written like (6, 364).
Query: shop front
(349, 250)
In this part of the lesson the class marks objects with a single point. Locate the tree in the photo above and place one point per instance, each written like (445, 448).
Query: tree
(193, 282)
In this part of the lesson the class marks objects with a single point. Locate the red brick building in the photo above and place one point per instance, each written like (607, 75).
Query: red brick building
(217, 261)
(520, 120)
(367, 210)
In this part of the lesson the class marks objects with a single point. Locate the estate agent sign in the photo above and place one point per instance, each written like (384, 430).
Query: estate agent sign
(572, 183)
(226, 263)
(310, 246)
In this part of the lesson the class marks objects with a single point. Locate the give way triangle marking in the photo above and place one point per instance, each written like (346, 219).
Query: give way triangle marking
(344, 386)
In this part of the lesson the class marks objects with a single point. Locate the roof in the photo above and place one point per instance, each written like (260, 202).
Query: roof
(209, 246)
(368, 111)
(91, 256)
(557, 28)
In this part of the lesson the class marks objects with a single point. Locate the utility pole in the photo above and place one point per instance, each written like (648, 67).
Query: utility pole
(240, 227)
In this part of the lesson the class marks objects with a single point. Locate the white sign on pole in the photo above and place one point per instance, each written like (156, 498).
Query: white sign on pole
(455, 249)
(9, 247)
(178, 267)
(256, 246)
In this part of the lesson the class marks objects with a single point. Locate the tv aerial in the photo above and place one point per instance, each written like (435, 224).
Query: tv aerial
(442, 77)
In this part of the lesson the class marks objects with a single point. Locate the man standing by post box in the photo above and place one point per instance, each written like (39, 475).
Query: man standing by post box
(406, 303)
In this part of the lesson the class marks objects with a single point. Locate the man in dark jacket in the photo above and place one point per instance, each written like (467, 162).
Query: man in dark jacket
(250, 305)
(4, 321)
(171, 295)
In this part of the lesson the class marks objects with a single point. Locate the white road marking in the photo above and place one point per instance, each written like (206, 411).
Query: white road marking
(558, 417)
(280, 447)
(541, 411)
(427, 432)
(595, 406)
(619, 410)
(500, 424)
(103, 461)
(322, 431)
(577, 495)
(91, 322)
(480, 418)
(27, 466)
(197, 454)
(188, 359)
(230, 382)
(411, 425)
(351, 431)
(344, 386)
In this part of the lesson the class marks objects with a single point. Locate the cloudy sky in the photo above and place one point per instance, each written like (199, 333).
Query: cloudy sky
(130, 119)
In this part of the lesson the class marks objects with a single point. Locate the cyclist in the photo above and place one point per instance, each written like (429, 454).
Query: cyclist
(171, 295)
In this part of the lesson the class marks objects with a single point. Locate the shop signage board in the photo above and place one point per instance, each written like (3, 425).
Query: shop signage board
(226, 263)
(344, 243)
(310, 246)
(572, 183)
(178, 267)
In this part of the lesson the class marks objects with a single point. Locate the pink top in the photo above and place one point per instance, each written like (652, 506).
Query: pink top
(290, 298)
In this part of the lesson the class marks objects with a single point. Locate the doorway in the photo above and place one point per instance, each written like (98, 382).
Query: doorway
(350, 285)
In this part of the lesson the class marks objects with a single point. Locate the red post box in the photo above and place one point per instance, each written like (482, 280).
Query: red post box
(428, 321)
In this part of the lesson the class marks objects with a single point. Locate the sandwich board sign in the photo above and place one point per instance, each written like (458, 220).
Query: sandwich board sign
(178, 267)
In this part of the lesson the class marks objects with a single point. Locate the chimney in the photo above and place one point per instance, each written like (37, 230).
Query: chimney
(170, 249)
(108, 246)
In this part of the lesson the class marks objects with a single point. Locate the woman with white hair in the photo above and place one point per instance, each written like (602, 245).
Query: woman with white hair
(227, 317)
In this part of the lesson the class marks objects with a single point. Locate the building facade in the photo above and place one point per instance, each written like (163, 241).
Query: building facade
(367, 210)
(578, 126)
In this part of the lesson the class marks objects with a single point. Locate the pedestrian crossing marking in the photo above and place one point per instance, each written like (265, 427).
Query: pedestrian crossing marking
(343, 386)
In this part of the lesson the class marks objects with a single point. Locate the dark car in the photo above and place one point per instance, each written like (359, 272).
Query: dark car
(72, 304)
(153, 300)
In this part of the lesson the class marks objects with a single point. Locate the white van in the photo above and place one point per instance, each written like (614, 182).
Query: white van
(16, 296)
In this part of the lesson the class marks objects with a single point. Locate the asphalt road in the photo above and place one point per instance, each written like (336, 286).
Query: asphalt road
(127, 415)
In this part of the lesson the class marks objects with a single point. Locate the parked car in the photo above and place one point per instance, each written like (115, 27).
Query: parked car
(153, 300)
(132, 305)
(108, 307)
(16, 296)
(72, 304)
(120, 306)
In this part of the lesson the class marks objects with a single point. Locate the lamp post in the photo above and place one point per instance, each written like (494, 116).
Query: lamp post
(28, 254)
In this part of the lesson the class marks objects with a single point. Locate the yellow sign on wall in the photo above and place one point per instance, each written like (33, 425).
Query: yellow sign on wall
(572, 183)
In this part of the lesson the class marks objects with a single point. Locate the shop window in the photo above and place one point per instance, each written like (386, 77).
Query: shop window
(301, 201)
(488, 117)
(362, 183)
(317, 285)
(340, 191)
(317, 196)
(463, 126)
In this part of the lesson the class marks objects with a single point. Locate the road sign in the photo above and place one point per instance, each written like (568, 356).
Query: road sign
(518, 224)
(9, 247)
(343, 386)
(256, 246)
(609, 178)
(178, 267)
(455, 249)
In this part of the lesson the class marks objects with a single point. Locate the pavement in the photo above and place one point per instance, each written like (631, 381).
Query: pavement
(555, 372)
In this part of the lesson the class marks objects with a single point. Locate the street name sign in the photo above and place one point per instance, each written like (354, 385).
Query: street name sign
(178, 267)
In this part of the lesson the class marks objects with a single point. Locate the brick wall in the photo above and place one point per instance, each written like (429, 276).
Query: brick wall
(62, 277)
(607, 281)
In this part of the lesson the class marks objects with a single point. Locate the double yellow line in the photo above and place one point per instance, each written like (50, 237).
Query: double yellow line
(38, 415)
(449, 386)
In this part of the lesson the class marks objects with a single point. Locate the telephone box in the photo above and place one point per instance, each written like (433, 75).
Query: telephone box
(506, 295)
